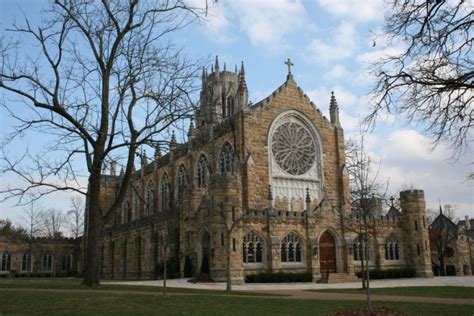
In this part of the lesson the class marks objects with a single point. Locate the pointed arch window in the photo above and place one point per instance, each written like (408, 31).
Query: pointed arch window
(224, 106)
(230, 105)
(165, 192)
(291, 248)
(26, 262)
(226, 158)
(66, 262)
(202, 171)
(392, 250)
(150, 198)
(253, 247)
(47, 262)
(6, 262)
(181, 180)
(135, 204)
(126, 212)
(361, 249)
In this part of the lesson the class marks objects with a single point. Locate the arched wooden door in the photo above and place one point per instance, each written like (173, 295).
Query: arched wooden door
(327, 253)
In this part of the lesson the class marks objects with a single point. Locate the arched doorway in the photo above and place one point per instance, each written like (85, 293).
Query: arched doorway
(327, 253)
(204, 251)
(450, 270)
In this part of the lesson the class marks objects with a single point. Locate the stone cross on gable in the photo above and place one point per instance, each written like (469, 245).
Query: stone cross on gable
(289, 64)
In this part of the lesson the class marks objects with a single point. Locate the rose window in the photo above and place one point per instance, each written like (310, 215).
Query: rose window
(293, 148)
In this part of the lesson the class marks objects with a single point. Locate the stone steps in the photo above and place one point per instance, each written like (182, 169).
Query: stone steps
(338, 278)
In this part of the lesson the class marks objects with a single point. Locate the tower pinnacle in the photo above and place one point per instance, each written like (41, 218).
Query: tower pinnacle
(334, 110)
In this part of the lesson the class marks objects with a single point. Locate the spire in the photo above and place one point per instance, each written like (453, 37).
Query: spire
(191, 129)
(391, 201)
(143, 158)
(440, 210)
(203, 78)
(173, 141)
(242, 83)
(235, 68)
(225, 67)
(157, 152)
(334, 110)
(216, 67)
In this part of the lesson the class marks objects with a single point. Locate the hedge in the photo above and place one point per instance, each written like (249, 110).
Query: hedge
(278, 277)
(397, 273)
(172, 269)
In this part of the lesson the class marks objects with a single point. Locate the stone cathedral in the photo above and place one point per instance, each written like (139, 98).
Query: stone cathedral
(265, 183)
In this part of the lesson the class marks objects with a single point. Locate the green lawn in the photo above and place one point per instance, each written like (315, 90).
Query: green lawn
(432, 291)
(191, 301)
(74, 283)
(86, 303)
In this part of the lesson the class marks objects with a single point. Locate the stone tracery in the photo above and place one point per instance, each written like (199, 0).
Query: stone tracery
(293, 148)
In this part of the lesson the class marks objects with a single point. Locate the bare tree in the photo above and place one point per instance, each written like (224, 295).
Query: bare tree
(166, 239)
(442, 233)
(32, 223)
(53, 222)
(75, 217)
(229, 221)
(365, 189)
(448, 210)
(104, 81)
(431, 81)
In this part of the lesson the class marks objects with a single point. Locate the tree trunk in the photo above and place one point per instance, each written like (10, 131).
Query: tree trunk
(229, 276)
(367, 274)
(94, 221)
(164, 277)
(363, 271)
(442, 268)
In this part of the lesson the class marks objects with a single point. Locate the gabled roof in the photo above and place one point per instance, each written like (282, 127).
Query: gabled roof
(441, 222)
(393, 212)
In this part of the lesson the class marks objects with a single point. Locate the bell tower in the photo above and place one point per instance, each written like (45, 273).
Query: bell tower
(223, 93)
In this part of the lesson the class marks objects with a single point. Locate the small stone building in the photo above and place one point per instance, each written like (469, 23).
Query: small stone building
(273, 175)
(41, 256)
(452, 246)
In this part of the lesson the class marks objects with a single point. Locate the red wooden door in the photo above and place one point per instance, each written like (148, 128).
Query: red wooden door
(327, 253)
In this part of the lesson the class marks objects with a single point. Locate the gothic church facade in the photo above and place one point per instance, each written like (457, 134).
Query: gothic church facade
(263, 184)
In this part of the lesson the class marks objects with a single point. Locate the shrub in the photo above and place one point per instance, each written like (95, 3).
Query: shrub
(172, 269)
(278, 277)
(396, 273)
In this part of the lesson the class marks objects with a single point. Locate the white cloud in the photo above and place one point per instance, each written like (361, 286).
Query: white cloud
(342, 46)
(337, 72)
(377, 54)
(362, 11)
(407, 159)
(268, 22)
(345, 99)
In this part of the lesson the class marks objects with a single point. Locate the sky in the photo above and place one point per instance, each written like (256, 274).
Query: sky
(331, 44)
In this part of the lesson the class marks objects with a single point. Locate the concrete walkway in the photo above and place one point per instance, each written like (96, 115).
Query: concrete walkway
(467, 281)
